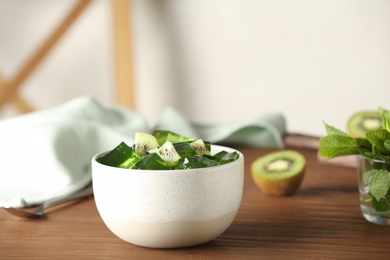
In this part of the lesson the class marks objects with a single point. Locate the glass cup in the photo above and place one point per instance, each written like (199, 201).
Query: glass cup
(374, 210)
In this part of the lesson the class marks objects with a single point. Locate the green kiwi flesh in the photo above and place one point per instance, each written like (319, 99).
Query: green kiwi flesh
(279, 173)
(362, 122)
(200, 147)
(168, 153)
(144, 142)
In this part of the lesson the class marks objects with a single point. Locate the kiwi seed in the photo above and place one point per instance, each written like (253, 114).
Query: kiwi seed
(144, 142)
(168, 153)
(200, 147)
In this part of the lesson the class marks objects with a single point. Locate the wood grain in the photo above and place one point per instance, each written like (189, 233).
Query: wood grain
(321, 221)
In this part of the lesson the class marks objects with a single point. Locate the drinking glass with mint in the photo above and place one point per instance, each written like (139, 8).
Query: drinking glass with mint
(373, 165)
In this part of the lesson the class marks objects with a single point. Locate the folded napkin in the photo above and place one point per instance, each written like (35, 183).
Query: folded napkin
(262, 131)
(47, 153)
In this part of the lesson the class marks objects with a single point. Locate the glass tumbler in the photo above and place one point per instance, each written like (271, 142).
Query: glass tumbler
(374, 182)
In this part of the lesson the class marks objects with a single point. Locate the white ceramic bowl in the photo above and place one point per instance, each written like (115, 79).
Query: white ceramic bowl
(168, 209)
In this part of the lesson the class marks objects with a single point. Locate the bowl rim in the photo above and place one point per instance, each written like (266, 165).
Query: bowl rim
(220, 147)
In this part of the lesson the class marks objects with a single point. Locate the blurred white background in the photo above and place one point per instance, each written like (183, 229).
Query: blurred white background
(214, 61)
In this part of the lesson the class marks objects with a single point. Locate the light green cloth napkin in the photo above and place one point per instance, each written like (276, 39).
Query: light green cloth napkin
(261, 131)
(47, 153)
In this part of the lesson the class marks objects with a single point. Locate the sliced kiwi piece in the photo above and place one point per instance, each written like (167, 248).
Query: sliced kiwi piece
(362, 122)
(144, 142)
(200, 147)
(168, 153)
(279, 173)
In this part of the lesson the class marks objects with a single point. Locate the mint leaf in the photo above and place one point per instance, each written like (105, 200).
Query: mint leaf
(385, 118)
(387, 144)
(377, 156)
(378, 182)
(339, 145)
(331, 130)
(363, 143)
(377, 138)
(381, 205)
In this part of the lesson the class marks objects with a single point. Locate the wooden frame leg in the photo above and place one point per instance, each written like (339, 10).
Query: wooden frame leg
(125, 95)
(9, 90)
(18, 101)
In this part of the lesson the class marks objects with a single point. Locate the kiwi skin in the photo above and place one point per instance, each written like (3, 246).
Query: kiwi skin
(284, 186)
(281, 187)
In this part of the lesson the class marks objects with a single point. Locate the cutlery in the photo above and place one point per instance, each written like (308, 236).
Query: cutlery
(39, 212)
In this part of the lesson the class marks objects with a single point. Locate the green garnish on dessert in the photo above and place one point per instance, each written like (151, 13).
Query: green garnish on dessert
(165, 150)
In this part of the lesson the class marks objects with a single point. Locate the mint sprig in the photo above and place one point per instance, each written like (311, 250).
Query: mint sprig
(378, 138)
(338, 143)
(378, 181)
(376, 145)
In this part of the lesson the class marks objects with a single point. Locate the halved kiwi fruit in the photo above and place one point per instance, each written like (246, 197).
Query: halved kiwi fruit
(362, 122)
(279, 173)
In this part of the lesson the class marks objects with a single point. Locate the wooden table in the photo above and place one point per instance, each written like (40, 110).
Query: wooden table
(321, 221)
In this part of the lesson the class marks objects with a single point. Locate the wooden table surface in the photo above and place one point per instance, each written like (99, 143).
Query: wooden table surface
(321, 221)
